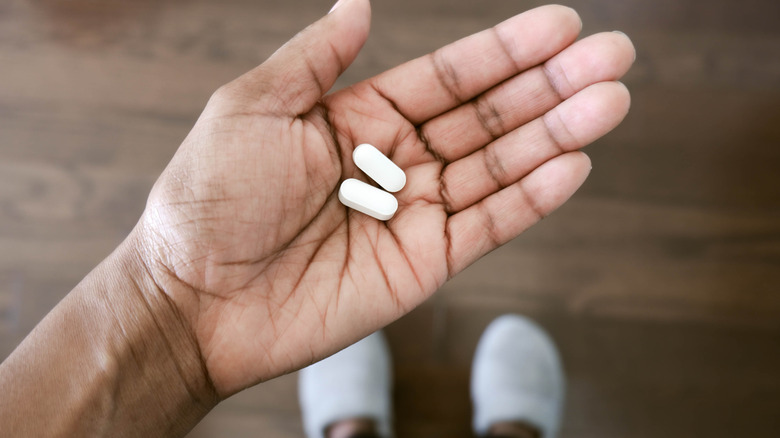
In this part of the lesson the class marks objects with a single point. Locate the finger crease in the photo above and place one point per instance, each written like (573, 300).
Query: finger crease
(443, 71)
(494, 167)
(555, 84)
(505, 48)
(429, 147)
(553, 134)
(490, 225)
(493, 117)
(387, 98)
(444, 194)
(335, 53)
(313, 72)
(531, 203)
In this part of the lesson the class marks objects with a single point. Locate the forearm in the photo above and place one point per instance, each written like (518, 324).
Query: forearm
(114, 358)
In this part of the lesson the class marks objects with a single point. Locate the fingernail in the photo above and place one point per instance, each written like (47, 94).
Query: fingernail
(338, 3)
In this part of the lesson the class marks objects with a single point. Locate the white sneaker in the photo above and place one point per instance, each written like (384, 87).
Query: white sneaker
(517, 376)
(353, 383)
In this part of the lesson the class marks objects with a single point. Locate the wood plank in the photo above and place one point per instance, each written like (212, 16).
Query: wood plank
(658, 280)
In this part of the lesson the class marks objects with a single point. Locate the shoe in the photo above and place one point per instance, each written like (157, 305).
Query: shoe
(517, 376)
(353, 383)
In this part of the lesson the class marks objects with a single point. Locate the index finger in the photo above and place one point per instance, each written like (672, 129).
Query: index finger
(435, 83)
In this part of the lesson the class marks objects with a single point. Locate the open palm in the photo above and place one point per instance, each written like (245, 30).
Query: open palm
(244, 228)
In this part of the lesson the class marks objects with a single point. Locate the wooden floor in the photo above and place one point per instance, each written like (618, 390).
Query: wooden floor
(660, 280)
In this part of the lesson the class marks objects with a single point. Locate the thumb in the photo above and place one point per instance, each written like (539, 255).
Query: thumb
(297, 75)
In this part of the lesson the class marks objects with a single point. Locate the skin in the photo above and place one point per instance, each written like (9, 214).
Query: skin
(244, 265)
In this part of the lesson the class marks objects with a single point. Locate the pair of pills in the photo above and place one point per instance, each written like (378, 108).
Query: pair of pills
(366, 198)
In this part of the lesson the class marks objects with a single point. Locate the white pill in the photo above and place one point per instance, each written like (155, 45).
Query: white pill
(379, 168)
(367, 199)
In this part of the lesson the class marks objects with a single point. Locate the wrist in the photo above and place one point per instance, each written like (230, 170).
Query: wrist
(113, 358)
(154, 344)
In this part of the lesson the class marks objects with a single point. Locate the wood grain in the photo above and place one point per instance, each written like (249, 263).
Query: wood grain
(659, 280)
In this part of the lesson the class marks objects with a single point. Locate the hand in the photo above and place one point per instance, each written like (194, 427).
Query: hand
(244, 231)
